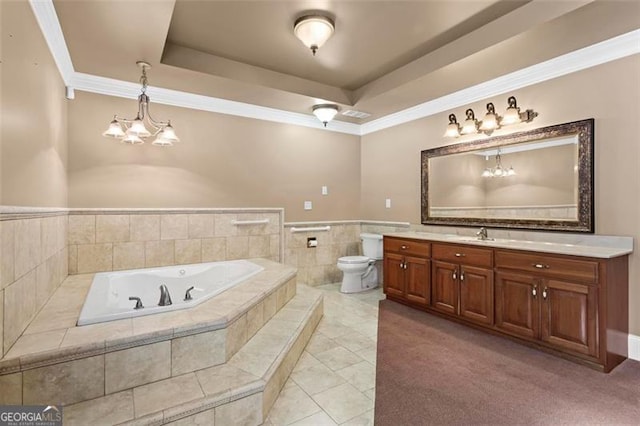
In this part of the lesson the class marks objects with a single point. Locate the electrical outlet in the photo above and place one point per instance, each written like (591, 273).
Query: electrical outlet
(308, 205)
(325, 190)
(387, 203)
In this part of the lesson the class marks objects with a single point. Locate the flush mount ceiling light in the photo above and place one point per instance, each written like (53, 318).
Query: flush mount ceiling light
(325, 112)
(313, 30)
(491, 120)
(133, 131)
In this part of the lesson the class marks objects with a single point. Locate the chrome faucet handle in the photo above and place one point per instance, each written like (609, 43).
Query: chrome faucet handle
(187, 295)
(138, 302)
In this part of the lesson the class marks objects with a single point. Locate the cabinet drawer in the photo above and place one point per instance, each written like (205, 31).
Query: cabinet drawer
(406, 246)
(548, 265)
(463, 254)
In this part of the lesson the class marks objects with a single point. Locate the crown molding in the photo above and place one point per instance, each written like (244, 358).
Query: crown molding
(50, 25)
(597, 54)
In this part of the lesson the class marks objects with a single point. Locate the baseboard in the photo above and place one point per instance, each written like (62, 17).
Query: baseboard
(634, 347)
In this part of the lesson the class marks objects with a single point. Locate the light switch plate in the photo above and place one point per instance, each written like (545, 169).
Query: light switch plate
(387, 203)
(325, 190)
(308, 205)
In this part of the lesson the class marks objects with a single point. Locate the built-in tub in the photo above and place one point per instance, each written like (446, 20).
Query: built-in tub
(108, 297)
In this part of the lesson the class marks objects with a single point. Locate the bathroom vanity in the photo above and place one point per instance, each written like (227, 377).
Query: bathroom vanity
(571, 300)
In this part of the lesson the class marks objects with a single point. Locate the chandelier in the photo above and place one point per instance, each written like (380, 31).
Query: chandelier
(498, 170)
(133, 131)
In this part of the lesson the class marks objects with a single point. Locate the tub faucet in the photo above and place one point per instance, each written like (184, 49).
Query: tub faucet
(165, 297)
(482, 234)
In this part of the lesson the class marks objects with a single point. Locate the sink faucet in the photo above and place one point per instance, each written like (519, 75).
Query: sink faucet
(165, 297)
(482, 234)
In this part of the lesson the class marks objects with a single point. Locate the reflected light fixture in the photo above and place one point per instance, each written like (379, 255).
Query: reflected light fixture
(498, 170)
(313, 30)
(325, 112)
(491, 120)
(134, 131)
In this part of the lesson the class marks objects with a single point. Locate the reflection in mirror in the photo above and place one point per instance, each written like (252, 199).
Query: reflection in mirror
(540, 179)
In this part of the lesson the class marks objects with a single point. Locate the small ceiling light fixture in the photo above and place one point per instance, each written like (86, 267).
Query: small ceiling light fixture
(133, 131)
(491, 120)
(314, 30)
(325, 112)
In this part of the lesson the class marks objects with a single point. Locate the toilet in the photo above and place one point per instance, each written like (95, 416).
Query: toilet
(362, 272)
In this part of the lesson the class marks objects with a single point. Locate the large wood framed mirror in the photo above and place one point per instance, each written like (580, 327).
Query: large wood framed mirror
(540, 179)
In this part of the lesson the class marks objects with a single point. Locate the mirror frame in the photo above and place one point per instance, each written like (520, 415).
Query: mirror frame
(584, 129)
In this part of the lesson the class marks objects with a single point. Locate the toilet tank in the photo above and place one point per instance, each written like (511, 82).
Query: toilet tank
(372, 245)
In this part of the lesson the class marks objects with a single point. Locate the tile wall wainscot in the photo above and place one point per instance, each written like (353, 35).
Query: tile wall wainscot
(113, 239)
(318, 265)
(33, 263)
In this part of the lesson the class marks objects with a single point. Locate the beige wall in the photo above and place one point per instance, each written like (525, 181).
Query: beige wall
(391, 166)
(33, 141)
(222, 161)
(456, 181)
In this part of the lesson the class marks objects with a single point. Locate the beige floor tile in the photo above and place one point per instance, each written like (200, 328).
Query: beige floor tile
(32, 343)
(319, 419)
(166, 393)
(320, 343)
(317, 379)
(108, 410)
(343, 402)
(369, 354)
(371, 394)
(292, 405)
(361, 375)
(306, 360)
(220, 378)
(365, 419)
(337, 358)
(332, 329)
(354, 341)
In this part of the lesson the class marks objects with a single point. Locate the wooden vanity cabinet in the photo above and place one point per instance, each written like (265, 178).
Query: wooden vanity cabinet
(462, 282)
(574, 306)
(407, 270)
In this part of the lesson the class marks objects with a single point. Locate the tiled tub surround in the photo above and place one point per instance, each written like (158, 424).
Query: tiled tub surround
(55, 361)
(33, 263)
(111, 240)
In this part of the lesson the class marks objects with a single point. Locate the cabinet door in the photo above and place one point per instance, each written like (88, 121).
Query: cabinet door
(569, 316)
(517, 305)
(476, 294)
(418, 280)
(444, 292)
(394, 281)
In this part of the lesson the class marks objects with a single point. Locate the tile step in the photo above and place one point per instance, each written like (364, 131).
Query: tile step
(242, 390)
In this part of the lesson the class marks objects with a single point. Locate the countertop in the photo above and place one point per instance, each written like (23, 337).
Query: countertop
(611, 246)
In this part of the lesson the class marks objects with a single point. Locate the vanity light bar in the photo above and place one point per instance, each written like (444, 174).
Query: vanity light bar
(491, 120)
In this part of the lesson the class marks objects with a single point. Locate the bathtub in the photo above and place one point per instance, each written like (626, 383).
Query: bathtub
(108, 297)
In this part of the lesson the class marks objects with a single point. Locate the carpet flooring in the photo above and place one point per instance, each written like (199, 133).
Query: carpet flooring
(434, 371)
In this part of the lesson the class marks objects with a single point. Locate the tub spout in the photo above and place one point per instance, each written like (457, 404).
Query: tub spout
(165, 297)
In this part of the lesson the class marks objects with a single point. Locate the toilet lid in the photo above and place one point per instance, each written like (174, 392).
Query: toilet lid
(354, 259)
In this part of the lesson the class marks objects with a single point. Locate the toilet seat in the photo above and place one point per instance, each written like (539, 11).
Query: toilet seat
(353, 260)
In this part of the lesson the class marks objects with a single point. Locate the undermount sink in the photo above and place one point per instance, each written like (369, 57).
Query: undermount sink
(469, 239)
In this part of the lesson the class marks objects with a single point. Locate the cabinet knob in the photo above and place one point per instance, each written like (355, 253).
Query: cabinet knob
(544, 293)
(461, 275)
(454, 274)
(540, 266)
(404, 247)
(534, 291)
(460, 255)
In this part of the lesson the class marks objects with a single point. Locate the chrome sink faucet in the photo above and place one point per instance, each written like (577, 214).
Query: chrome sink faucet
(165, 297)
(482, 234)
